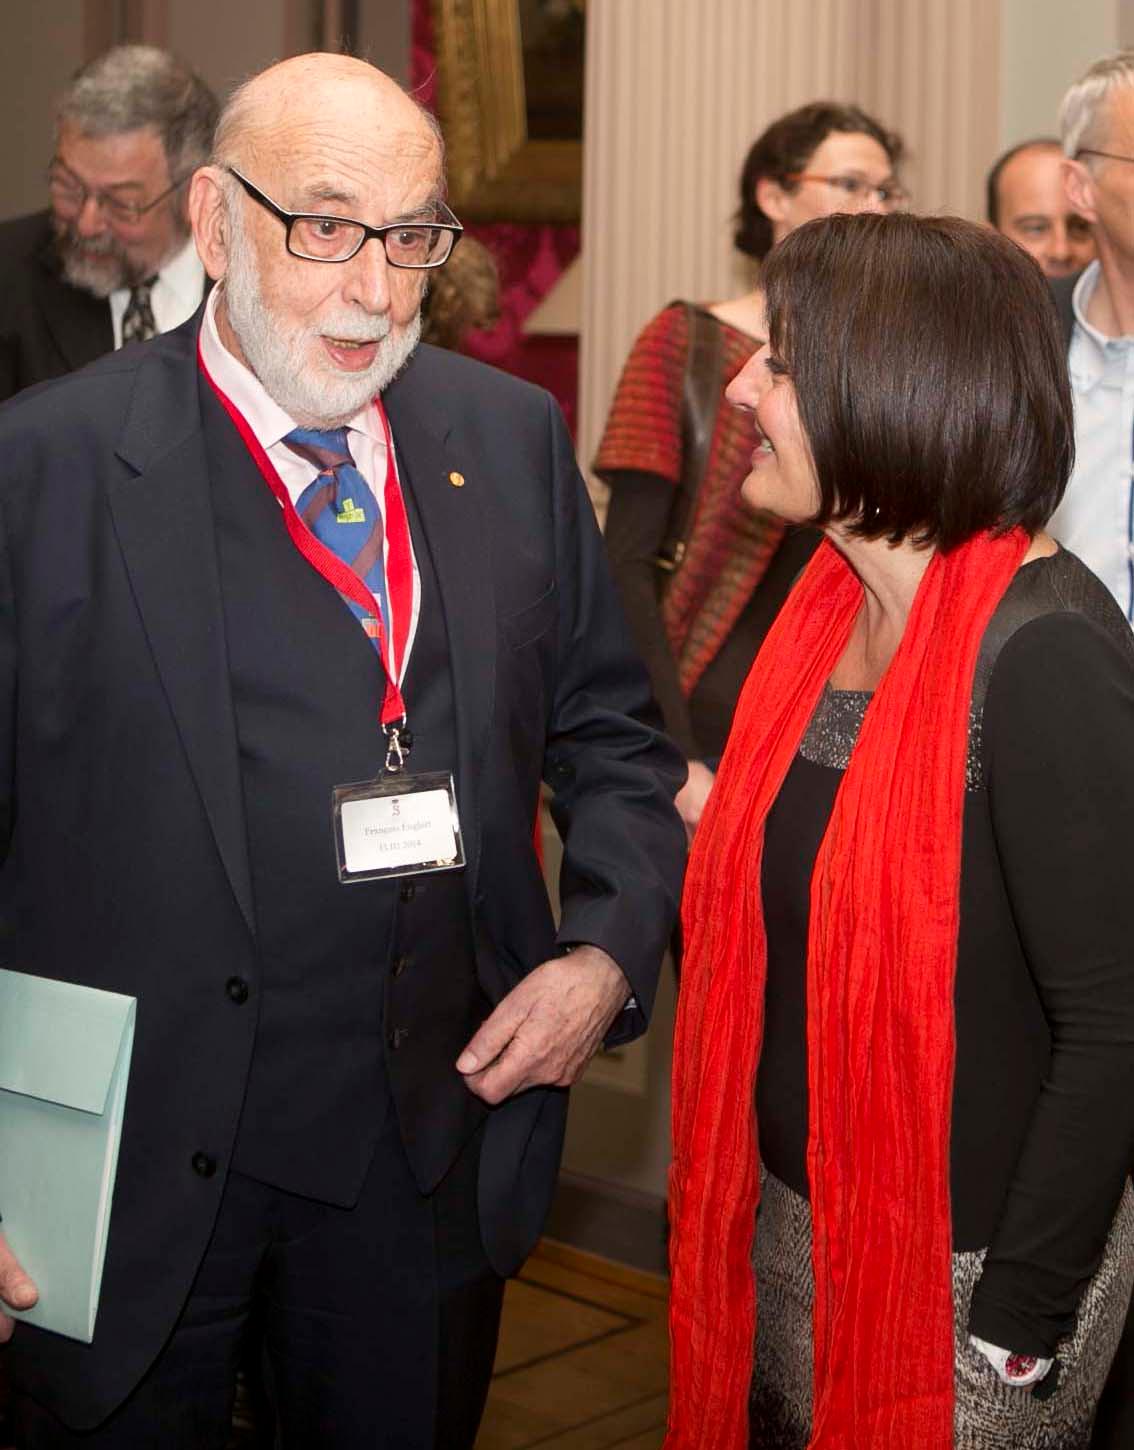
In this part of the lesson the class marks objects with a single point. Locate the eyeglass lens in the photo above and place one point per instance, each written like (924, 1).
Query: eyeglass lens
(330, 239)
(70, 196)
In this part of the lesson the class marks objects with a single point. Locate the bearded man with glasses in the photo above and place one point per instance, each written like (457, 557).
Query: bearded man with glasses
(112, 260)
(295, 615)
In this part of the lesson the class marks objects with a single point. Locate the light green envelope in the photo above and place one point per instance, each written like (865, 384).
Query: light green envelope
(64, 1062)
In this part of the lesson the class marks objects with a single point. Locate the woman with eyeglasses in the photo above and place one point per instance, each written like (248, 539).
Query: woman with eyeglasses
(904, 1058)
(700, 576)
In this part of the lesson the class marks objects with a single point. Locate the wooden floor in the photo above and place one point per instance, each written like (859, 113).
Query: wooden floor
(582, 1357)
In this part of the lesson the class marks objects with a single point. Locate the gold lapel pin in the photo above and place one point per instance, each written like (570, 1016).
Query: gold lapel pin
(457, 479)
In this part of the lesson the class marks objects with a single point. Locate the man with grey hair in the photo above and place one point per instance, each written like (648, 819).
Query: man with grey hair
(1096, 518)
(112, 260)
(294, 617)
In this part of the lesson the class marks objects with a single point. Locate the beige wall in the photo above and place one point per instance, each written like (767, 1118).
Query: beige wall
(224, 42)
(40, 45)
(1043, 48)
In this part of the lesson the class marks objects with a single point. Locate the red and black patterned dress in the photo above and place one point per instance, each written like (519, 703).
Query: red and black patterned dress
(700, 638)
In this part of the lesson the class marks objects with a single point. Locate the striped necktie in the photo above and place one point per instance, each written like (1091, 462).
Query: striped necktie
(340, 509)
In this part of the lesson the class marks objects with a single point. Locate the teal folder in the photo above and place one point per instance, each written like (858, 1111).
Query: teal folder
(64, 1062)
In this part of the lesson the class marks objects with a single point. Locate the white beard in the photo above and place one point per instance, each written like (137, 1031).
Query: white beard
(276, 350)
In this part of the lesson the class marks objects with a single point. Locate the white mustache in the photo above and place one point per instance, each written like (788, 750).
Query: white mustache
(350, 329)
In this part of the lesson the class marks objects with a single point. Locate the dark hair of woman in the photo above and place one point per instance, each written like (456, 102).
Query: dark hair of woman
(930, 375)
(784, 149)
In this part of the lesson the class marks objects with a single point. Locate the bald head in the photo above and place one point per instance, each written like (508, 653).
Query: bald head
(1027, 201)
(314, 97)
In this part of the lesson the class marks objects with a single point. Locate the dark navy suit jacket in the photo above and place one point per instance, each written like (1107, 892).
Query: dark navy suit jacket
(121, 810)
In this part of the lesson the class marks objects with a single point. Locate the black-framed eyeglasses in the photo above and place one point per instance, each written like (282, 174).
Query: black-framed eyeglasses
(858, 190)
(69, 196)
(1110, 155)
(321, 238)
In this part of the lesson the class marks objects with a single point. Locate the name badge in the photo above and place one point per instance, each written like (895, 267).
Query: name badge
(398, 825)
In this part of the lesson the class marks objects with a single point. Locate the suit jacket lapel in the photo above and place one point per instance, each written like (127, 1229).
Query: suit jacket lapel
(453, 522)
(79, 324)
(164, 522)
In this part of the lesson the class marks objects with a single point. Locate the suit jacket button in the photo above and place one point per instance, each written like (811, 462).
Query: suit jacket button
(203, 1165)
(237, 989)
(397, 1037)
(408, 891)
(400, 964)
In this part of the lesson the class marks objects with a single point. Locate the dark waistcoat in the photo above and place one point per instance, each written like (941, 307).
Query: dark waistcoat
(351, 974)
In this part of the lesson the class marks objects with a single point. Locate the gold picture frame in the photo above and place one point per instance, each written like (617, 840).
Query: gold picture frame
(496, 171)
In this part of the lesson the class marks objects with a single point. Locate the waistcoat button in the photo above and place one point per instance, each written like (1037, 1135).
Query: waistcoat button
(237, 989)
(204, 1165)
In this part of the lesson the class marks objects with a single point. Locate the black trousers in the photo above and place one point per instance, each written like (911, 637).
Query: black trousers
(378, 1323)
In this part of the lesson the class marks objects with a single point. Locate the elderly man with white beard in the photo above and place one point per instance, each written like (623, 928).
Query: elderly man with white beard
(305, 847)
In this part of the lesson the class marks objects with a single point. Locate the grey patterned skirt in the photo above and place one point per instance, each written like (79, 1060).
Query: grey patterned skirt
(989, 1415)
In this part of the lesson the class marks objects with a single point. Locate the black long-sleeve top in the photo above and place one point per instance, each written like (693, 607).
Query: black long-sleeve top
(636, 523)
(1043, 1101)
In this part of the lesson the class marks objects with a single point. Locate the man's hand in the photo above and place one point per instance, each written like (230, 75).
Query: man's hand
(16, 1289)
(547, 1028)
(691, 798)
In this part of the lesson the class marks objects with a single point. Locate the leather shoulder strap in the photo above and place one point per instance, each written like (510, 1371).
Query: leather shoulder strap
(700, 400)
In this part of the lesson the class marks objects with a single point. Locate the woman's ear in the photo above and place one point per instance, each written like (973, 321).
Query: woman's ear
(771, 198)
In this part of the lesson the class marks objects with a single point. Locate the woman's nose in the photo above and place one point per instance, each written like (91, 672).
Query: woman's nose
(744, 390)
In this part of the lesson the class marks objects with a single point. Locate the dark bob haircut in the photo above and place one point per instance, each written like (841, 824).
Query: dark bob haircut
(785, 148)
(930, 375)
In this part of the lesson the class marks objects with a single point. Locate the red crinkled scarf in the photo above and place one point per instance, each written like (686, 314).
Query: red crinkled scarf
(881, 958)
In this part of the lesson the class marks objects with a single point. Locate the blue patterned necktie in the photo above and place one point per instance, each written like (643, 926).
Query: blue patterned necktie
(341, 511)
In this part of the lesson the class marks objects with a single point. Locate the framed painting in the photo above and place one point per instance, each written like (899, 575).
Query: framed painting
(510, 101)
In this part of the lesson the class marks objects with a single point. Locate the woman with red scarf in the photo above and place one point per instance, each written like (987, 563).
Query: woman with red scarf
(904, 1066)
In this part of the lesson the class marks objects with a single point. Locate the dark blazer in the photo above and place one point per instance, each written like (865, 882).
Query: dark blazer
(120, 789)
(47, 327)
(1062, 289)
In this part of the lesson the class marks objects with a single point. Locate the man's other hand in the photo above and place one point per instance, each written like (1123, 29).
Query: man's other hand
(16, 1289)
(548, 1027)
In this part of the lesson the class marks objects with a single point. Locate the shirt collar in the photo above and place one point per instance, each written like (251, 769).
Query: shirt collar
(1090, 348)
(184, 275)
(268, 421)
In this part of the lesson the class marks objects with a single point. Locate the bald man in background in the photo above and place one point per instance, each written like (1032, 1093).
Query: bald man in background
(346, 1104)
(1027, 201)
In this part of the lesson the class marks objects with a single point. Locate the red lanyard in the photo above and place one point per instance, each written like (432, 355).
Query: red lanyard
(399, 562)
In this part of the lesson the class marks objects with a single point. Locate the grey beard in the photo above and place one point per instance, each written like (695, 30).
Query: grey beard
(99, 274)
(274, 351)
(102, 267)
